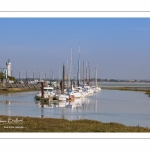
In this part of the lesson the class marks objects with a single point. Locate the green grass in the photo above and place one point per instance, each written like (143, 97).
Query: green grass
(30, 124)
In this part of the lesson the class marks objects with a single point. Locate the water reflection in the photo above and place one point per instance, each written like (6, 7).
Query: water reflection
(5, 102)
(42, 112)
(82, 104)
(68, 110)
(65, 109)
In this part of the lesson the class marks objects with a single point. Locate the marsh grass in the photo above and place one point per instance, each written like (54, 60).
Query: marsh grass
(30, 124)
(138, 89)
(147, 92)
(15, 90)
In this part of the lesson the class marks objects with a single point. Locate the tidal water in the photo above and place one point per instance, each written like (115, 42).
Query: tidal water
(126, 107)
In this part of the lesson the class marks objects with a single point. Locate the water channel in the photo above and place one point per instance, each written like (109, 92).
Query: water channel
(126, 107)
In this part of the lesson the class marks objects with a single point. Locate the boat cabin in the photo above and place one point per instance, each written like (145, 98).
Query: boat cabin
(48, 89)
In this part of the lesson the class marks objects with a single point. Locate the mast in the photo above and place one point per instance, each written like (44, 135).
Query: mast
(83, 73)
(78, 73)
(74, 75)
(38, 74)
(70, 74)
(45, 73)
(51, 74)
(67, 75)
(58, 78)
(89, 74)
(63, 82)
(96, 78)
(86, 73)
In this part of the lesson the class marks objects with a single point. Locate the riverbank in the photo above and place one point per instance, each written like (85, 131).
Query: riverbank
(138, 89)
(15, 90)
(30, 124)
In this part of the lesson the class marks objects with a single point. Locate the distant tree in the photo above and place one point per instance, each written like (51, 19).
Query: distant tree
(2, 76)
(11, 78)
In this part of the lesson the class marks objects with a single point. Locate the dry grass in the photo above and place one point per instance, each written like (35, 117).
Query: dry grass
(30, 124)
(148, 92)
(14, 90)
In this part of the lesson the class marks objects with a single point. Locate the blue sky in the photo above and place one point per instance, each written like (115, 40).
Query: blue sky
(120, 47)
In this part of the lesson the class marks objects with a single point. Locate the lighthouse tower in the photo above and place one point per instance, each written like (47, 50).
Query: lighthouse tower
(8, 67)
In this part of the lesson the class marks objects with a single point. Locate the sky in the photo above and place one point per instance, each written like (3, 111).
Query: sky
(118, 47)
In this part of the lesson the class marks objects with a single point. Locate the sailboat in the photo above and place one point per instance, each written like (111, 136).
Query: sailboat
(62, 96)
(77, 92)
(87, 87)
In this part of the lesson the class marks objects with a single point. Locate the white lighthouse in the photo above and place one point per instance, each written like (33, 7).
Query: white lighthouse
(8, 67)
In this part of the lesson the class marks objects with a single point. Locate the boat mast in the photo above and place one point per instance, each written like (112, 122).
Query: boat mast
(63, 82)
(86, 73)
(95, 77)
(45, 73)
(83, 73)
(89, 74)
(78, 73)
(70, 74)
(51, 74)
(74, 75)
(67, 75)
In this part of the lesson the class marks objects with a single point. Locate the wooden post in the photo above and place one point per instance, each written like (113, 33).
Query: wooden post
(42, 98)
(61, 86)
(42, 89)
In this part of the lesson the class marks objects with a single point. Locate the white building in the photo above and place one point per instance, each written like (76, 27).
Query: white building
(8, 67)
